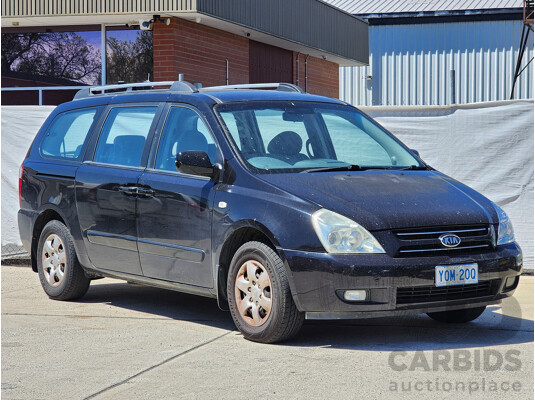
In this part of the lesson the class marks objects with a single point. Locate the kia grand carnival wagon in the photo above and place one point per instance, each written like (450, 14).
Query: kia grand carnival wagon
(281, 205)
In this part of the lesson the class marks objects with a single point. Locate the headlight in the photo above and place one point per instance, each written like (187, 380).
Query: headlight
(505, 229)
(339, 234)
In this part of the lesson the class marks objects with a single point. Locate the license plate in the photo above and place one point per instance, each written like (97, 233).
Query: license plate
(449, 275)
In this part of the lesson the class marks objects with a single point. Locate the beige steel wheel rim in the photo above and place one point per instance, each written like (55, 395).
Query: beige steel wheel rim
(54, 260)
(252, 291)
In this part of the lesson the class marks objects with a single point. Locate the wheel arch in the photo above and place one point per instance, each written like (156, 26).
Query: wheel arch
(239, 234)
(44, 217)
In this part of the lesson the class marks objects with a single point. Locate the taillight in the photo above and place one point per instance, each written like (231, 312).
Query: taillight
(21, 171)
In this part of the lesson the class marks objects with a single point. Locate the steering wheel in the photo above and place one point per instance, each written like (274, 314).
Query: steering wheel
(308, 147)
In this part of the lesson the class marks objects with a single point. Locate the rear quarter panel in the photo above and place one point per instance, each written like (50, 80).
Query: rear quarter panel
(50, 186)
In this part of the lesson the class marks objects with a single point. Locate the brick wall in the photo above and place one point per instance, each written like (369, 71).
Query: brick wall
(322, 76)
(199, 52)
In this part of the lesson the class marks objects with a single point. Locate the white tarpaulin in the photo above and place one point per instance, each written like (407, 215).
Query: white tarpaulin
(19, 126)
(488, 146)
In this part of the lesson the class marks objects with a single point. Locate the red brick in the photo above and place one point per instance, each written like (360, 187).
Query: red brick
(200, 53)
(323, 75)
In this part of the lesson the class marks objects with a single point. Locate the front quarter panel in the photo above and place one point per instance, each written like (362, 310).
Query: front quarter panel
(281, 216)
(249, 201)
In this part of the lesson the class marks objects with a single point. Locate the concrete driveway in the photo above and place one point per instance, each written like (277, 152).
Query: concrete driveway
(131, 342)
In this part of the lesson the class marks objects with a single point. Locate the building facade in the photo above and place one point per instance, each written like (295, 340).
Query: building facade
(212, 42)
(204, 55)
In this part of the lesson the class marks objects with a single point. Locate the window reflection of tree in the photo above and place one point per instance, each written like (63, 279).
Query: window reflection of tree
(71, 56)
(61, 55)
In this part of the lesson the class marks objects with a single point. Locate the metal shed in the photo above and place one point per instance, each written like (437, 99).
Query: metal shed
(415, 45)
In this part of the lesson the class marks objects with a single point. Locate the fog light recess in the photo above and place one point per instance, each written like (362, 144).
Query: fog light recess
(511, 283)
(355, 295)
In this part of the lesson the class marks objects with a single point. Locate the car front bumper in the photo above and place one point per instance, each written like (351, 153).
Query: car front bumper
(395, 285)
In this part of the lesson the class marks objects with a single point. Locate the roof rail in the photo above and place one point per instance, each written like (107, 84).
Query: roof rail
(282, 86)
(177, 86)
(174, 86)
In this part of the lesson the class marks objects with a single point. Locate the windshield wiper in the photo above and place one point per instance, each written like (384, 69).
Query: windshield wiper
(415, 168)
(352, 167)
(355, 167)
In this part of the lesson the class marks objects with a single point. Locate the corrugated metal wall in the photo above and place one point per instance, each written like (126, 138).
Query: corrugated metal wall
(25, 8)
(410, 64)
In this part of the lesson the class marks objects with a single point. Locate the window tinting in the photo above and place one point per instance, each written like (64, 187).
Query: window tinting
(67, 134)
(184, 130)
(123, 136)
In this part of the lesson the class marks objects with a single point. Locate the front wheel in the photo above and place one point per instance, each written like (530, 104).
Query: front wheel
(60, 273)
(259, 295)
(457, 316)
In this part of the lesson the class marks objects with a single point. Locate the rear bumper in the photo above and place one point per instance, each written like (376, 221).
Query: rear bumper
(395, 285)
(26, 220)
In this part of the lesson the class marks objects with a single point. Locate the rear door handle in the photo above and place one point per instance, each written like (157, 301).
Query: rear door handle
(128, 190)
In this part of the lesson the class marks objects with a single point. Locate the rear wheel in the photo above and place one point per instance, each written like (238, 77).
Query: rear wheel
(60, 273)
(259, 295)
(457, 316)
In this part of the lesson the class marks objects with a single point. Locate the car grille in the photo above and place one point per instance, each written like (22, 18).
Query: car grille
(425, 241)
(424, 294)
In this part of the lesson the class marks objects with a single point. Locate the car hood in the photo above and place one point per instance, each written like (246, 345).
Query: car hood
(379, 199)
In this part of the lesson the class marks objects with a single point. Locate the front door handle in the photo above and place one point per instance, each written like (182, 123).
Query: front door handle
(145, 192)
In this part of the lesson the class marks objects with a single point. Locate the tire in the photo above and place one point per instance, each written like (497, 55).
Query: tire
(457, 316)
(269, 288)
(60, 273)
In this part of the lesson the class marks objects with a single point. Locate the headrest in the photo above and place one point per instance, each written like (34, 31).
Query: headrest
(286, 143)
(128, 150)
(192, 141)
(129, 141)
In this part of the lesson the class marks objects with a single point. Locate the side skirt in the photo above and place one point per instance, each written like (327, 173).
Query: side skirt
(142, 280)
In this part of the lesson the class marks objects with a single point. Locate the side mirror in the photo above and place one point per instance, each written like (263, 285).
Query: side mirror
(196, 163)
(415, 152)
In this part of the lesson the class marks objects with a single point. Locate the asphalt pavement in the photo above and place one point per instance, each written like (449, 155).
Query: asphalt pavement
(125, 341)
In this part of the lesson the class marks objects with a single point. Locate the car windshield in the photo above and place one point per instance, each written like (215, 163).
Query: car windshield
(290, 136)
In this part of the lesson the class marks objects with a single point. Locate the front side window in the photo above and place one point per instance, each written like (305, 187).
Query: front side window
(277, 136)
(184, 130)
(68, 133)
(124, 134)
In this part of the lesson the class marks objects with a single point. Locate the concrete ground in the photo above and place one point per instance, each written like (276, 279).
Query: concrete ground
(131, 342)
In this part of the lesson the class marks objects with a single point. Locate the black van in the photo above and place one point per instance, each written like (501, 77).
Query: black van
(281, 205)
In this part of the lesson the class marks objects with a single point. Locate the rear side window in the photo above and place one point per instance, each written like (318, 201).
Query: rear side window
(68, 133)
(124, 134)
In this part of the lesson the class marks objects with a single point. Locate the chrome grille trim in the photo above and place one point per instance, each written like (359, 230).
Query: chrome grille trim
(479, 246)
(440, 232)
(425, 241)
